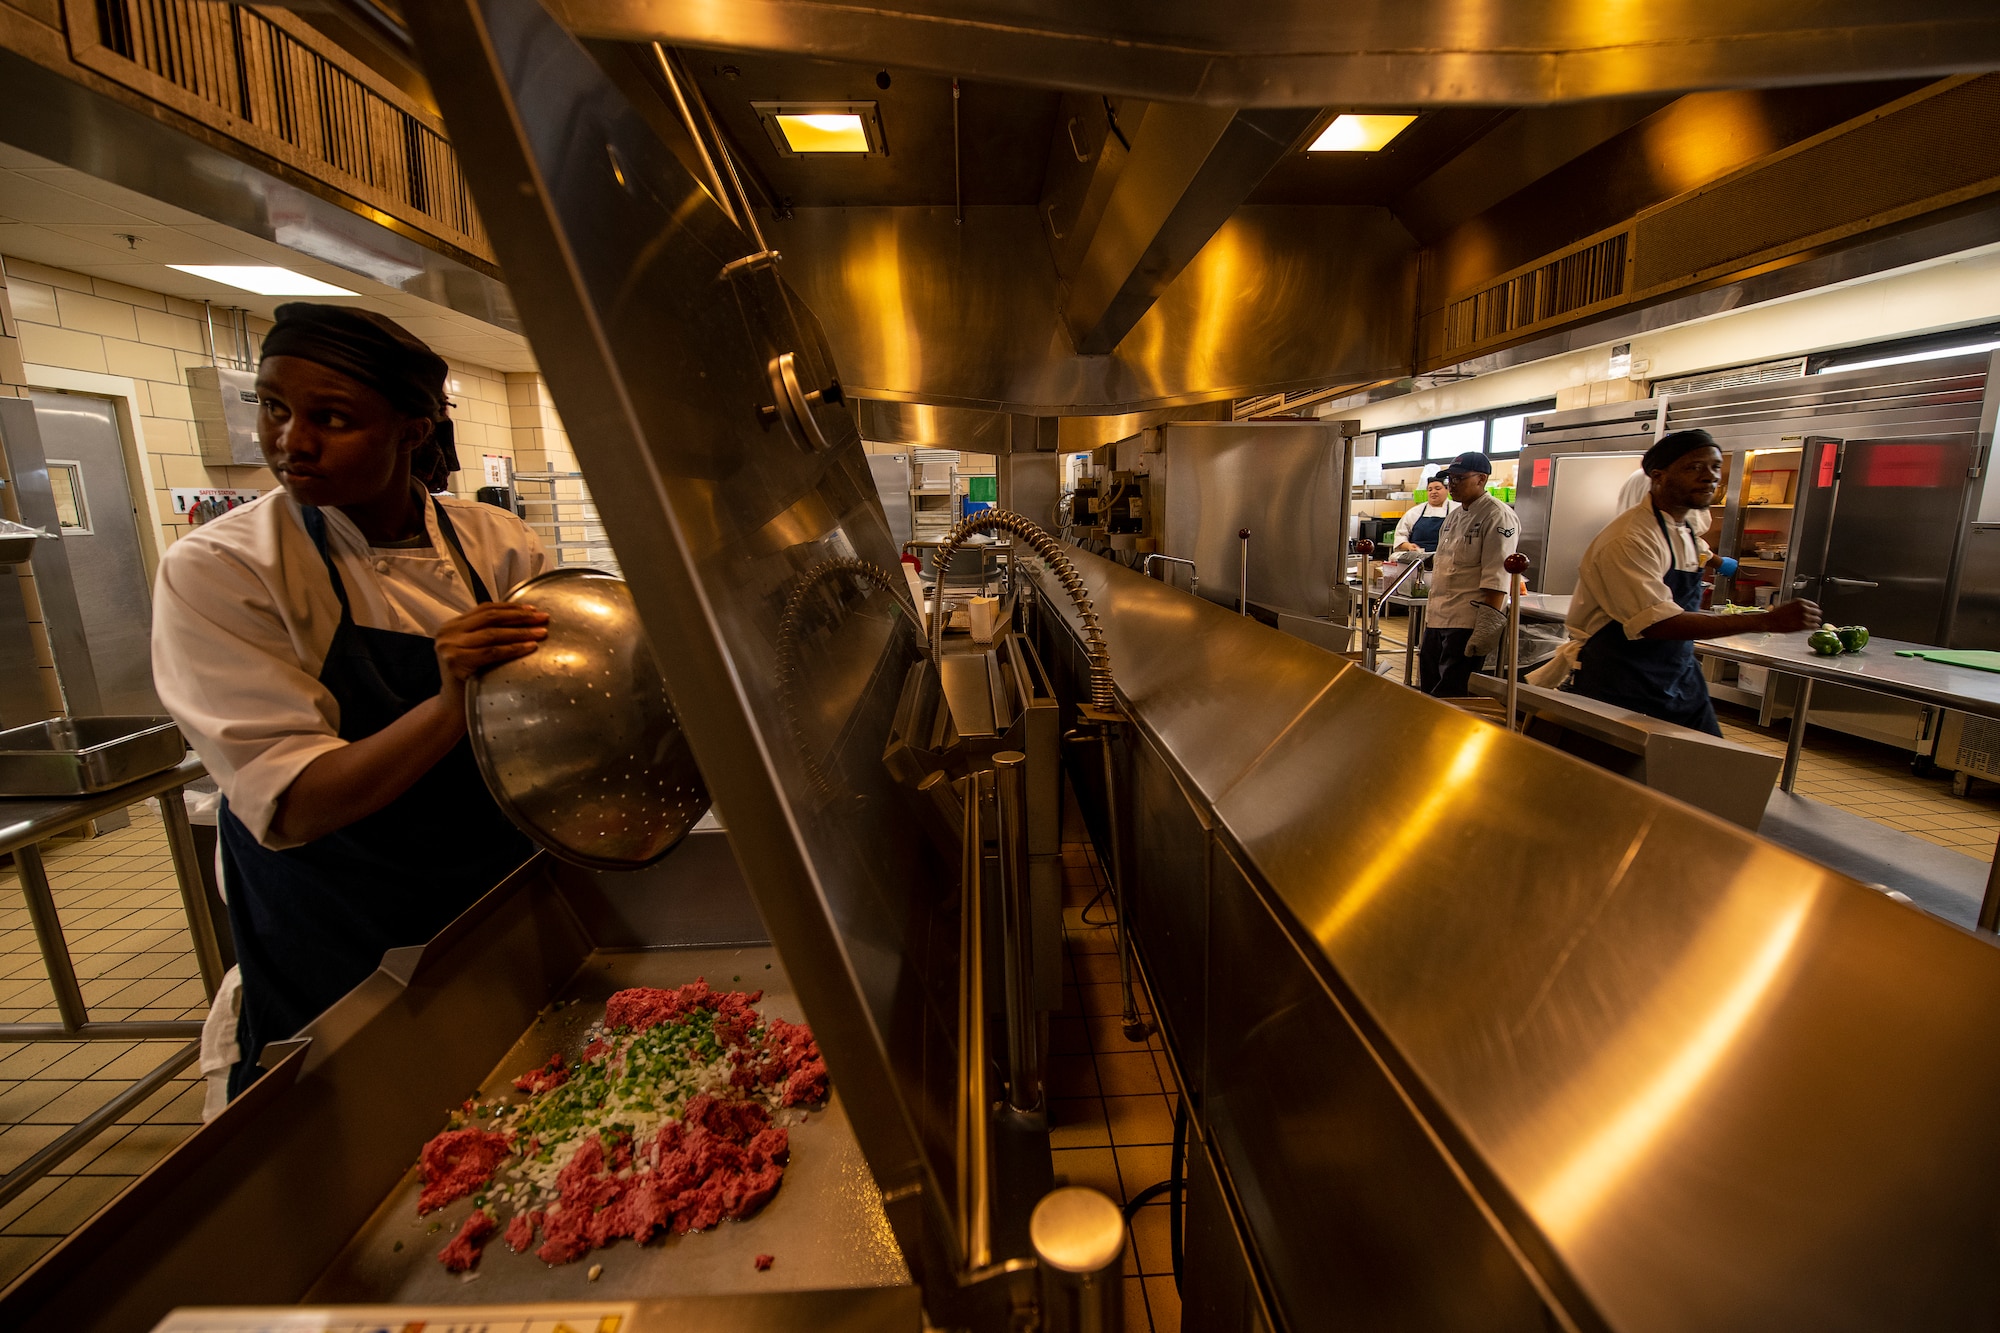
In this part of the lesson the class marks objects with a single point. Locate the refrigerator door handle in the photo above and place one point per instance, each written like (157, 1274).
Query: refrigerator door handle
(1852, 583)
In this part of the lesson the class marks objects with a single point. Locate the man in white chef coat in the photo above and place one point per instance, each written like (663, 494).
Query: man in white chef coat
(1463, 620)
(314, 646)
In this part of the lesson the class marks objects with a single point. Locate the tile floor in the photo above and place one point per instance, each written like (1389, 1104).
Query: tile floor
(1111, 1101)
(128, 940)
(1875, 782)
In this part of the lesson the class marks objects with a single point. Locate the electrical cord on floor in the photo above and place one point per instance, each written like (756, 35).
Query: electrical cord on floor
(1100, 896)
(1175, 1188)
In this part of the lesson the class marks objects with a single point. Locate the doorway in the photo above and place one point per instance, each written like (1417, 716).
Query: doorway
(100, 535)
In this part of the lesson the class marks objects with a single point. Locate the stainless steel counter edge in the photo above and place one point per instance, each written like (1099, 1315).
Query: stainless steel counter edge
(1697, 1079)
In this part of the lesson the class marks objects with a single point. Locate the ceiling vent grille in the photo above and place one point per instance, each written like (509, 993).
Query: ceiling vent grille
(1563, 286)
(1765, 372)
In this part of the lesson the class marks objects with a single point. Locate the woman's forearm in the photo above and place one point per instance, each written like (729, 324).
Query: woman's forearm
(353, 782)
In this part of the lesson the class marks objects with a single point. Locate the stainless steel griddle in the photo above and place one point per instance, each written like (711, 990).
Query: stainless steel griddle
(301, 1190)
(824, 1228)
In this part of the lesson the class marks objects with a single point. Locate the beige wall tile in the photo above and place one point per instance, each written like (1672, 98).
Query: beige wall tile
(94, 314)
(53, 277)
(138, 360)
(32, 301)
(171, 435)
(183, 470)
(62, 347)
(162, 329)
(170, 399)
(132, 296)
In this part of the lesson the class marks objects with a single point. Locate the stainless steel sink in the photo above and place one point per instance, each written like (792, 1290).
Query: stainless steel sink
(74, 756)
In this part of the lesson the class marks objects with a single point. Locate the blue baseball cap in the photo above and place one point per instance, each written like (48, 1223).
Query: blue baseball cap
(1479, 463)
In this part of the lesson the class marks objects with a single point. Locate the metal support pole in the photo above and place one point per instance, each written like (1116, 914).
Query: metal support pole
(1079, 1240)
(1796, 740)
(1135, 1028)
(974, 1163)
(1243, 574)
(194, 892)
(49, 935)
(1516, 566)
(1024, 1064)
(54, 1154)
(1368, 636)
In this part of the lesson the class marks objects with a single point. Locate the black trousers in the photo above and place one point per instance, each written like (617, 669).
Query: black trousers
(1443, 668)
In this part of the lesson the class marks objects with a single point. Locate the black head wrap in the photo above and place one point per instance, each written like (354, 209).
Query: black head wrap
(1672, 448)
(375, 350)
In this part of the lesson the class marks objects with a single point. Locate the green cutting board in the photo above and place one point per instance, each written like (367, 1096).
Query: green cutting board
(1977, 659)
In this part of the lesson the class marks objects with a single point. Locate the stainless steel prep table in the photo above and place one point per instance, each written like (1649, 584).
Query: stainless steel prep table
(1876, 668)
(24, 826)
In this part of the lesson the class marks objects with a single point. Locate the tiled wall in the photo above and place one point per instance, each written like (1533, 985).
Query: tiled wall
(78, 323)
(73, 323)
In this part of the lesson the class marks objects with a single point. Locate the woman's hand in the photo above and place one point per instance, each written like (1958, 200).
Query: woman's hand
(485, 636)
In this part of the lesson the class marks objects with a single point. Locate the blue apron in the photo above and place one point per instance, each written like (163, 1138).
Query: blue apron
(1424, 532)
(1657, 677)
(311, 922)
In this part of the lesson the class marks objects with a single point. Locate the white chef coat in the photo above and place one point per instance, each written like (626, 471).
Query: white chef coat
(243, 615)
(1622, 579)
(1471, 556)
(1424, 510)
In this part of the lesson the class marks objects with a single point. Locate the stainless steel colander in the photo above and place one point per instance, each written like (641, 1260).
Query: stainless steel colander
(578, 741)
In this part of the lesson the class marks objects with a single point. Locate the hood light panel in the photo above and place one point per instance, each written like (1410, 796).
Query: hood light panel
(823, 129)
(1351, 133)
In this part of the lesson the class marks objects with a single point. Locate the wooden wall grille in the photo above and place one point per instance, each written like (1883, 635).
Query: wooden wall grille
(1563, 286)
(281, 88)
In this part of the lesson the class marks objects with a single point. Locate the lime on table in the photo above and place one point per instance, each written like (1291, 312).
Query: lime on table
(1853, 638)
(1825, 642)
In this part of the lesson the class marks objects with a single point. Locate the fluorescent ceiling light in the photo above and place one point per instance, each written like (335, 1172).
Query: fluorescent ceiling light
(1905, 359)
(837, 132)
(263, 279)
(1359, 134)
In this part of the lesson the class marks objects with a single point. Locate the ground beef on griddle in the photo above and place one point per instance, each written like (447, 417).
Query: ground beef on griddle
(463, 1252)
(550, 1075)
(456, 1163)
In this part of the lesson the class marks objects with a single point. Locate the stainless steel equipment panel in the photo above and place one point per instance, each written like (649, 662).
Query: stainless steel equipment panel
(1285, 481)
(700, 394)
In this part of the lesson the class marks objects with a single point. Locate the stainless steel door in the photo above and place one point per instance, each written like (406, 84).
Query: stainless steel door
(892, 485)
(1585, 498)
(86, 457)
(1879, 531)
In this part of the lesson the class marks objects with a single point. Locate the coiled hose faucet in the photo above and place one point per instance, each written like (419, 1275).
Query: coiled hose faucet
(1045, 546)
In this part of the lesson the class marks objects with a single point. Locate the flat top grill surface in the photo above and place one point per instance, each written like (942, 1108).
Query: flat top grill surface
(825, 1228)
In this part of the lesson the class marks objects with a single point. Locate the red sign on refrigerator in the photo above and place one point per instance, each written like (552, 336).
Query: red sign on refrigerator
(1829, 455)
(1542, 466)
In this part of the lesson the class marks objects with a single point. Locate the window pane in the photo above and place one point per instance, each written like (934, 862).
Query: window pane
(1507, 432)
(66, 484)
(1448, 442)
(1408, 447)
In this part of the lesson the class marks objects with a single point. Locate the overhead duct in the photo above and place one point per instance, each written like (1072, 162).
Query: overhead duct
(1189, 168)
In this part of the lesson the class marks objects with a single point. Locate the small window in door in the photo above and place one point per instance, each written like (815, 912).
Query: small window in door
(72, 507)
